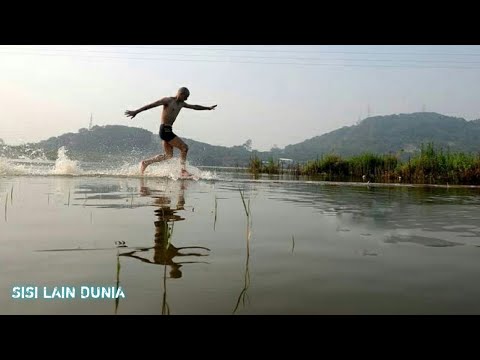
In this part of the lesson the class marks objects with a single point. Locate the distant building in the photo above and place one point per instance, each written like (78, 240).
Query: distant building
(280, 160)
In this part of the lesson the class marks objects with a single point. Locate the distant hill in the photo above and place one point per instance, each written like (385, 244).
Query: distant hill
(400, 134)
(101, 142)
(403, 133)
(114, 142)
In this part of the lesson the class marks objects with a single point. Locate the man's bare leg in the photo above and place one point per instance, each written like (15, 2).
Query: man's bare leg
(179, 144)
(168, 155)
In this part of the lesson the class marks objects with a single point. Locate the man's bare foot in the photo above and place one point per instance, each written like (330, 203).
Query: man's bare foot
(143, 166)
(185, 173)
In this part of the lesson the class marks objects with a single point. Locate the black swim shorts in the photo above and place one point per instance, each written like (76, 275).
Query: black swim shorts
(166, 133)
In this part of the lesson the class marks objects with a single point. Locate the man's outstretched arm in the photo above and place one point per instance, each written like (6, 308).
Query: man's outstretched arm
(199, 107)
(132, 113)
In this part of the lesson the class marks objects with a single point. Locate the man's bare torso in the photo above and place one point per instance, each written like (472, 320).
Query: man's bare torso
(171, 108)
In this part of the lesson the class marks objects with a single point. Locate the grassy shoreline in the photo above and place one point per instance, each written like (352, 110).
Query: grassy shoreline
(430, 166)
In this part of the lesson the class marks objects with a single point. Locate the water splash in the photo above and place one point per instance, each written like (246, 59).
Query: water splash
(22, 152)
(172, 169)
(64, 166)
(7, 167)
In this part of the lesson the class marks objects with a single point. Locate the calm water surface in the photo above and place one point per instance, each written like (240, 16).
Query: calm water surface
(188, 247)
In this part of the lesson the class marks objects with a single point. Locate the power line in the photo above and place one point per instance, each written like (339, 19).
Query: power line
(201, 48)
(306, 51)
(244, 62)
(422, 61)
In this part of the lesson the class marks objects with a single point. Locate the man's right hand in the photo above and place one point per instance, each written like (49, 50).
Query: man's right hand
(130, 113)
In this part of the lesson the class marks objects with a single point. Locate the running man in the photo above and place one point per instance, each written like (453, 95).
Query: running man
(171, 108)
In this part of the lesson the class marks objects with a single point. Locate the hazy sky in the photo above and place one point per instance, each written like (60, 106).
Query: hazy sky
(274, 95)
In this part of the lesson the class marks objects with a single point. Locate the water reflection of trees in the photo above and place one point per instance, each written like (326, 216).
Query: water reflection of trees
(381, 204)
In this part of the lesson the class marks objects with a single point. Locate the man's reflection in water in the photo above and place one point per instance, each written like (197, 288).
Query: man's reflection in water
(164, 252)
